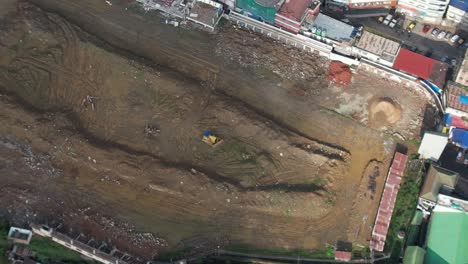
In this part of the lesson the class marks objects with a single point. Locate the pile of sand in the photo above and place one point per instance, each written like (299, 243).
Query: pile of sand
(383, 112)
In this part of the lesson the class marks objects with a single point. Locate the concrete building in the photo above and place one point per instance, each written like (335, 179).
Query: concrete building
(422, 67)
(462, 75)
(457, 12)
(430, 11)
(362, 8)
(205, 12)
(292, 14)
(437, 179)
(376, 48)
(20, 235)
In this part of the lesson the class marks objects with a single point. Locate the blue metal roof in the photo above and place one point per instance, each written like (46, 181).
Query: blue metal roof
(460, 4)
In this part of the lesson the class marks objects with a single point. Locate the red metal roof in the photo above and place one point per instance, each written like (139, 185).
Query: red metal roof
(342, 255)
(387, 202)
(294, 9)
(414, 63)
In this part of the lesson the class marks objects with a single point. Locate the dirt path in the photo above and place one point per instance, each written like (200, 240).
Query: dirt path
(288, 169)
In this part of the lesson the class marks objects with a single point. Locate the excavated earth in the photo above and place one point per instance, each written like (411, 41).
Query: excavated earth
(107, 143)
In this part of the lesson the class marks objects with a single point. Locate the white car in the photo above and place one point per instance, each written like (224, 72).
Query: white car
(441, 34)
(454, 38)
(393, 23)
(387, 20)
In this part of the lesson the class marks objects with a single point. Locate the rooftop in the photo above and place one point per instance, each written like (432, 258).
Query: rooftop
(453, 97)
(447, 238)
(378, 45)
(270, 3)
(436, 177)
(205, 13)
(462, 76)
(294, 9)
(421, 66)
(334, 28)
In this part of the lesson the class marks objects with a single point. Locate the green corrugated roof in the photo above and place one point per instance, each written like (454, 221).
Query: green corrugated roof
(447, 238)
(266, 13)
(414, 255)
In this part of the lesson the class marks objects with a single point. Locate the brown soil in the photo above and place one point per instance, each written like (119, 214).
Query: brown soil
(288, 175)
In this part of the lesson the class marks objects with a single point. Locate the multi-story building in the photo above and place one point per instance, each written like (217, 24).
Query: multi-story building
(462, 75)
(431, 11)
(457, 12)
(362, 8)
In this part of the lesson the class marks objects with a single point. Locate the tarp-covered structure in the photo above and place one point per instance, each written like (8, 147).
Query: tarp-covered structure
(460, 137)
(455, 121)
(432, 146)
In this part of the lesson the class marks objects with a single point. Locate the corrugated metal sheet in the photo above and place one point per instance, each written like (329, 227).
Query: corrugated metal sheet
(257, 10)
(387, 202)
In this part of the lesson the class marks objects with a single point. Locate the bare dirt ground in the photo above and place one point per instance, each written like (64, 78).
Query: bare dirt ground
(291, 173)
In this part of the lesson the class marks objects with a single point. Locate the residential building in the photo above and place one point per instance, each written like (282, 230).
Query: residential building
(264, 10)
(362, 8)
(20, 235)
(437, 179)
(292, 13)
(447, 235)
(327, 27)
(430, 11)
(371, 4)
(454, 99)
(205, 12)
(462, 75)
(376, 48)
(422, 67)
(457, 12)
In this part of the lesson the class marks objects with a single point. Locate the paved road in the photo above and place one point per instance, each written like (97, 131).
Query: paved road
(423, 42)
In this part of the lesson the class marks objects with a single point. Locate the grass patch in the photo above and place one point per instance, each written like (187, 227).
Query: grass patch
(4, 243)
(327, 253)
(236, 149)
(47, 250)
(404, 210)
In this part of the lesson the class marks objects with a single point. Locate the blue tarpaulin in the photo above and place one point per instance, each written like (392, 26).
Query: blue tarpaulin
(463, 99)
(432, 86)
(460, 137)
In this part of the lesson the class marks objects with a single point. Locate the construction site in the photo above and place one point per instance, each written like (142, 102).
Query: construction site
(159, 140)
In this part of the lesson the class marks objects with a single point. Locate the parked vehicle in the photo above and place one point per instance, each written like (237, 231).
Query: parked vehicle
(387, 20)
(453, 62)
(411, 26)
(426, 29)
(441, 34)
(381, 19)
(435, 32)
(393, 23)
(454, 38)
(460, 42)
(448, 35)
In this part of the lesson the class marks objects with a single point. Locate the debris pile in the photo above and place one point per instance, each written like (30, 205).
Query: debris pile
(339, 73)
